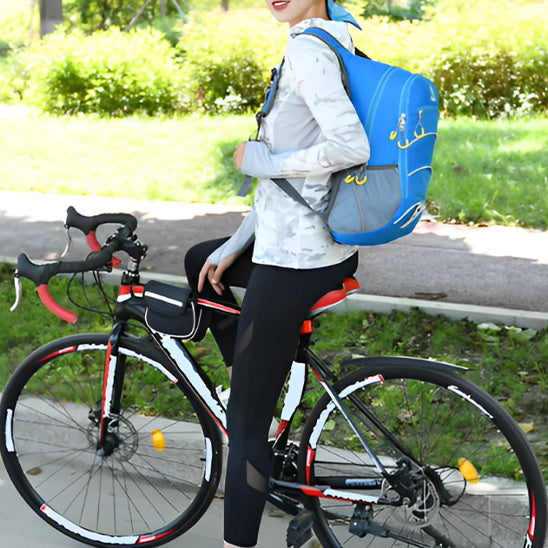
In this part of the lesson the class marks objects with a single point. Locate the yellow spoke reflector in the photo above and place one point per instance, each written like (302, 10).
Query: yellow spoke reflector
(468, 471)
(158, 440)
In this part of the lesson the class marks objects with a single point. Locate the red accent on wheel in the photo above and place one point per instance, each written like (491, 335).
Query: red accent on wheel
(66, 350)
(144, 539)
(533, 522)
(310, 456)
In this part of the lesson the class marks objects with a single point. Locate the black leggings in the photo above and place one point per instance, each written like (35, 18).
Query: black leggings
(260, 347)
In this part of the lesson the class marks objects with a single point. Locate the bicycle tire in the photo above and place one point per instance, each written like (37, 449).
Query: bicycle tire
(160, 478)
(481, 482)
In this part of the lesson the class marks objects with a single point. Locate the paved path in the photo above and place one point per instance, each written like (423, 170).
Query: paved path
(492, 266)
(21, 528)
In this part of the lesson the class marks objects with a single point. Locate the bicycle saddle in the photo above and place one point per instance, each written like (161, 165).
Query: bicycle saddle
(335, 296)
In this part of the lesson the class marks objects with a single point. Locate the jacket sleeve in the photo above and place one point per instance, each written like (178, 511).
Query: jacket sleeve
(238, 242)
(316, 72)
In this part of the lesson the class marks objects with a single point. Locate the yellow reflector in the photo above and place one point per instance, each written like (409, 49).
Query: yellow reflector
(468, 471)
(158, 440)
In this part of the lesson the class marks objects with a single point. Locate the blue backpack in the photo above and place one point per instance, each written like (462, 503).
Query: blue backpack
(379, 202)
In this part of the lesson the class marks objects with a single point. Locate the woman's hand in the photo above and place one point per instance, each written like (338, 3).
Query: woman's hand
(239, 155)
(214, 273)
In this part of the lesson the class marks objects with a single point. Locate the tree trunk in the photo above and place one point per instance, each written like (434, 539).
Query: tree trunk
(224, 5)
(51, 15)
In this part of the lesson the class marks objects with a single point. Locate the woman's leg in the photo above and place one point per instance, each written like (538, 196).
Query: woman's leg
(223, 327)
(276, 302)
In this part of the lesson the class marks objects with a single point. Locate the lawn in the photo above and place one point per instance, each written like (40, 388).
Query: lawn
(494, 172)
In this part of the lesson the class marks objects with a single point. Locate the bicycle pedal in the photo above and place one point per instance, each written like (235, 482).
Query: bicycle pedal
(299, 530)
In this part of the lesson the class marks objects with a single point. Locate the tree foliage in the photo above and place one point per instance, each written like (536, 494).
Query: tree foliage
(92, 15)
(396, 9)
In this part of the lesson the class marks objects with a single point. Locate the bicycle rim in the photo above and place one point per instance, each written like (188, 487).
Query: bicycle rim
(162, 473)
(477, 481)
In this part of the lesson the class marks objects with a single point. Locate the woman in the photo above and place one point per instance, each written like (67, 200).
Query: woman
(283, 253)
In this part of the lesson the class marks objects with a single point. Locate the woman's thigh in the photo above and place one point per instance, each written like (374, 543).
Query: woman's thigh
(276, 302)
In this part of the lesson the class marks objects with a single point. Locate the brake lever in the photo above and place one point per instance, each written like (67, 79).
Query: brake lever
(18, 292)
(67, 246)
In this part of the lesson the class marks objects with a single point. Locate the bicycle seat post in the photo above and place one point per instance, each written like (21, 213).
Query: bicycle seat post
(304, 341)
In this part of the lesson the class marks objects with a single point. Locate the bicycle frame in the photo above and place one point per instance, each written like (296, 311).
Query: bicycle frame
(186, 370)
(130, 306)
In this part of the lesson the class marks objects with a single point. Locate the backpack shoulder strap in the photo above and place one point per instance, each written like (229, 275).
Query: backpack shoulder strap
(289, 189)
(266, 108)
(270, 94)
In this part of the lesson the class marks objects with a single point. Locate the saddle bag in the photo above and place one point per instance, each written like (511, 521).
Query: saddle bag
(173, 311)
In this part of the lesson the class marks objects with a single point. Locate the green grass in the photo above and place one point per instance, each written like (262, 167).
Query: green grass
(149, 159)
(493, 172)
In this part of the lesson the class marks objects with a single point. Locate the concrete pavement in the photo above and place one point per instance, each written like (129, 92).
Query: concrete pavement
(486, 274)
(21, 528)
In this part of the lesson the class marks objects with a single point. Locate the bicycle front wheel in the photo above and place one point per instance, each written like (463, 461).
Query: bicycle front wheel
(165, 462)
(468, 476)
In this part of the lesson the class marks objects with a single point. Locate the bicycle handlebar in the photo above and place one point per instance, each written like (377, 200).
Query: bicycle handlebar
(40, 275)
(88, 226)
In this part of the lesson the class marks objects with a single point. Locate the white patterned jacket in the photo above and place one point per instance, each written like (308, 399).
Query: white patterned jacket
(311, 131)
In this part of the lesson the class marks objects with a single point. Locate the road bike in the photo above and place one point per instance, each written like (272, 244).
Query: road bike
(116, 439)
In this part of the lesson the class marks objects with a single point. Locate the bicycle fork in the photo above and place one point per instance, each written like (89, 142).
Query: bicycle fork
(106, 411)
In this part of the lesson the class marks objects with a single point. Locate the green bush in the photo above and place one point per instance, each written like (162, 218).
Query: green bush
(490, 84)
(489, 59)
(12, 82)
(116, 73)
(223, 64)
(93, 15)
(108, 73)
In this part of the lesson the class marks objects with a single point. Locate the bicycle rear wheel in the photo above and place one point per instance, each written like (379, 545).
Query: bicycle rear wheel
(473, 478)
(166, 463)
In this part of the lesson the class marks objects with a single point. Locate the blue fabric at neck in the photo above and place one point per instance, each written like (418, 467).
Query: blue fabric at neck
(338, 13)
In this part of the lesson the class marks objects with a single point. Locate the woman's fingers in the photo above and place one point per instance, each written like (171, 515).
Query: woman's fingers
(214, 273)
(214, 277)
(204, 273)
